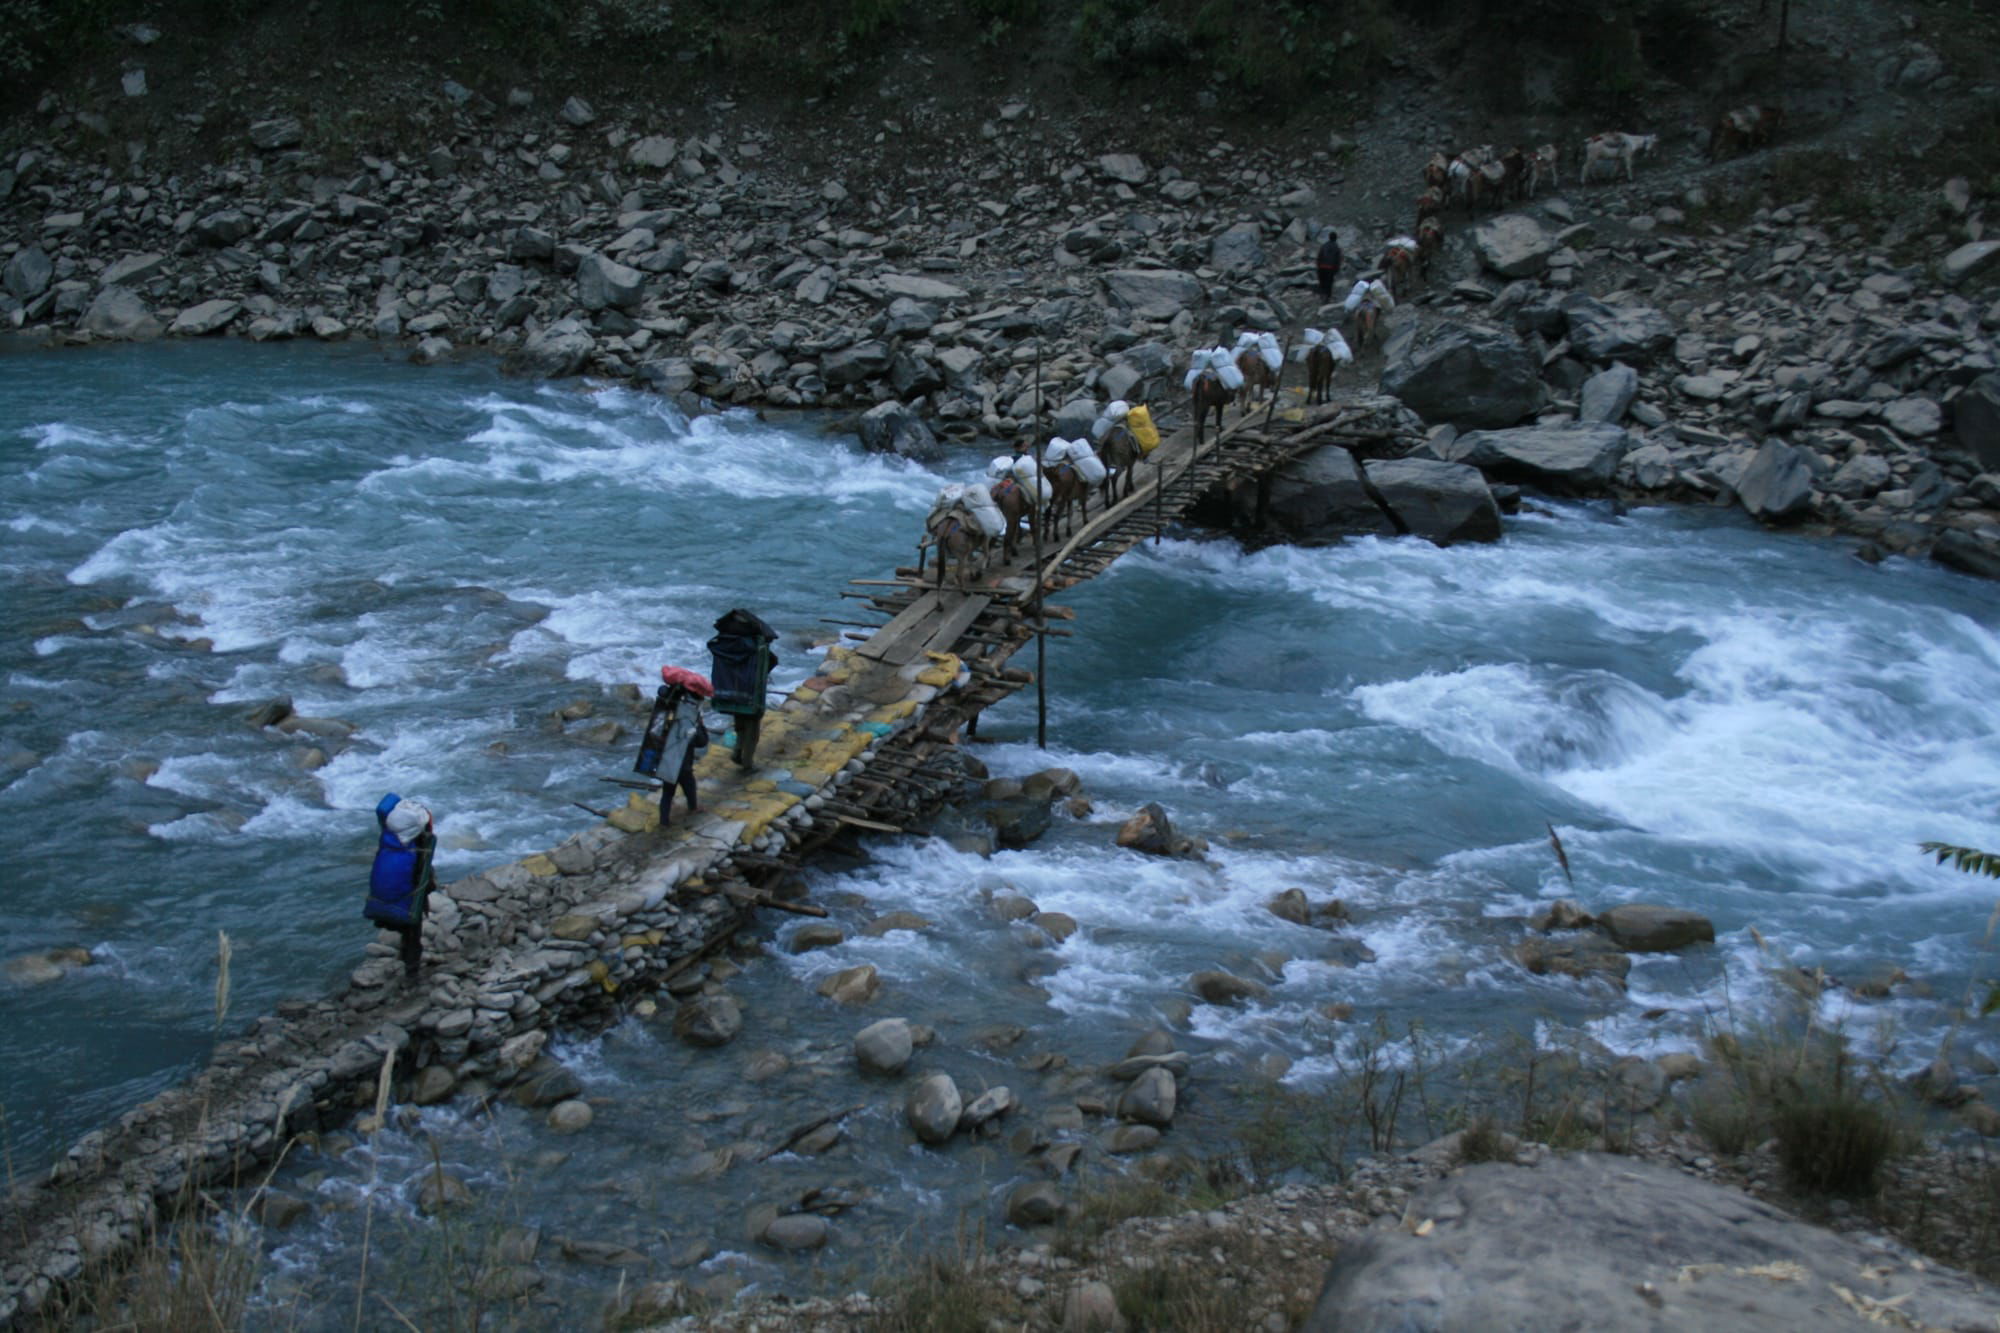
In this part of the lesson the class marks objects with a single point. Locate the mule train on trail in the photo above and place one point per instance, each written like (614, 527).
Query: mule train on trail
(1025, 494)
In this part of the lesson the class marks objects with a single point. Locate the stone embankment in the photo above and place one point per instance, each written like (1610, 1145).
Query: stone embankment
(561, 938)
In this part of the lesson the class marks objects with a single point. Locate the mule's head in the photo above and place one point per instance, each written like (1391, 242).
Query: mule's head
(1646, 143)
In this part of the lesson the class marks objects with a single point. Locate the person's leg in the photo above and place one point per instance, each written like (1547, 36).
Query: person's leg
(686, 784)
(747, 727)
(413, 947)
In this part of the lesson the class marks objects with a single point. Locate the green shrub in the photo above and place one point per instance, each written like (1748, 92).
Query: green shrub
(1832, 1139)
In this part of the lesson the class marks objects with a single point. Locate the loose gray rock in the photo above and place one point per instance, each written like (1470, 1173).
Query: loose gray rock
(1237, 250)
(895, 428)
(1470, 375)
(438, 1191)
(1126, 167)
(851, 365)
(1602, 333)
(884, 1047)
(131, 270)
(576, 111)
(570, 1117)
(1036, 1203)
(1969, 259)
(1621, 1245)
(1651, 928)
(561, 349)
(919, 288)
(934, 1107)
(1225, 988)
(206, 318)
(1608, 395)
(603, 283)
(708, 1020)
(1150, 1100)
(28, 273)
(1776, 487)
(1152, 293)
(281, 132)
(1513, 245)
(119, 314)
(1572, 458)
(796, 1231)
(1975, 419)
(1441, 502)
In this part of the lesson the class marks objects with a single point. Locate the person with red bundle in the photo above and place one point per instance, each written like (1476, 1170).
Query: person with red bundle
(675, 735)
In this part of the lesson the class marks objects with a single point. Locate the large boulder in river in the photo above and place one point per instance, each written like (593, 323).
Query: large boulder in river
(118, 313)
(893, 428)
(1319, 498)
(1604, 333)
(1651, 928)
(1776, 487)
(1975, 418)
(1152, 293)
(934, 1107)
(884, 1047)
(1968, 554)
(1513, 245)
(708, 1020)
(1571, 458)
(1443, 502)
(1470, 375)
(1618, 1245)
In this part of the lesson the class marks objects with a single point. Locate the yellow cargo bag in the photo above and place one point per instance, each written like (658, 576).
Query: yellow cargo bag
(1144, 433)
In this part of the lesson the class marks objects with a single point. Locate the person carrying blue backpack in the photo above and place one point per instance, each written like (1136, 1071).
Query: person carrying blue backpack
(401, 880)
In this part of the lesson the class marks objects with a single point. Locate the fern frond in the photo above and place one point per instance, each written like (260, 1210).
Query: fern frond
(1968, 859)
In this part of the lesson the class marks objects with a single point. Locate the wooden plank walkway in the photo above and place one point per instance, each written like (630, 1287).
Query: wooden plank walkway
(990, 618)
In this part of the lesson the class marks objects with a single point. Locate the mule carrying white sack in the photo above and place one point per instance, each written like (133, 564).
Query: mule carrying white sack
(1114, 414)
(1086, 462)
(1330, 339)
(1222, 361)
(986, 515)
(1029, 473)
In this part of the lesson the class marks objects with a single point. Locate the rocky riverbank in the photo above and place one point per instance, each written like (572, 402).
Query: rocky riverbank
(1614, 337)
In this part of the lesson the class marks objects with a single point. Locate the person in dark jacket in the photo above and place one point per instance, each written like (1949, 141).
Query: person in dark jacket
(400, 882)
(1327, 266)
(742, 657)
(675, 737)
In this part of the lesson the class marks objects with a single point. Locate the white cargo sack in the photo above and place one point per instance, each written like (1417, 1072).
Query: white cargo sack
(1338, 346)
(1355, 295)
(1002, 466)
(1380, 295)
(1029, 473)
(978, 502)
(947, 500)
(1310, 339)
(1232, 375)
(1401, 243)
(1086, 462)
(1267, 347)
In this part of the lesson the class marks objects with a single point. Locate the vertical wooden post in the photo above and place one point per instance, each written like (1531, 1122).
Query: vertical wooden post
(1041, 619)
